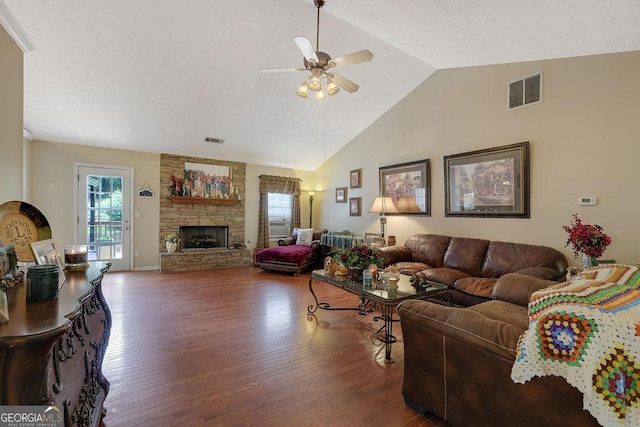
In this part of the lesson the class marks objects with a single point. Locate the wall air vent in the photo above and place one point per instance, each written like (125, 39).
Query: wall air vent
(214, 140)
(525, 91)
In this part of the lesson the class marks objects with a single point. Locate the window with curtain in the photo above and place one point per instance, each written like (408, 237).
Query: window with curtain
(276, 186)
(279, 211)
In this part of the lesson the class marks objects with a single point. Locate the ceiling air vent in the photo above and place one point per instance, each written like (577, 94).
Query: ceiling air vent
(214, 140)
(525, 91)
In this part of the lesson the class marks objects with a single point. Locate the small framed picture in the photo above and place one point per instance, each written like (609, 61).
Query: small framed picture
(45, 253)
(355, 178)
(355, 206)
(341, 195)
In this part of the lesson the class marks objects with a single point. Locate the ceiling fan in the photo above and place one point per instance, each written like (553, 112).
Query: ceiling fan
(321, 66)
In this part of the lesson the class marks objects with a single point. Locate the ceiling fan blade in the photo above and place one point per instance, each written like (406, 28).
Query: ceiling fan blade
(352, 58)
(306, 48)
(344, 82)
(281, 70)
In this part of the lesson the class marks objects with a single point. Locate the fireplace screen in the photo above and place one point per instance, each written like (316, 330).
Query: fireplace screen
(204, 237)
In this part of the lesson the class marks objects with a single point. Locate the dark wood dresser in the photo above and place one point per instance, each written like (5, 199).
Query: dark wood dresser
(51, 352)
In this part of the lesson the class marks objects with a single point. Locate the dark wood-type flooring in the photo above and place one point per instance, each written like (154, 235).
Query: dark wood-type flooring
(235, 347)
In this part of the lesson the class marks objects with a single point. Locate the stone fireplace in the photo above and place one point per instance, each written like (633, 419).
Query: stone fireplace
(210, 226)
(204, 236)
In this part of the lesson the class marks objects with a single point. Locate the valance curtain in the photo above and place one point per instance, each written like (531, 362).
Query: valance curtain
(276, 184)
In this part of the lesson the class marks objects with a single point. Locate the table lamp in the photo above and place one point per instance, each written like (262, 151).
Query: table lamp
(383, 205)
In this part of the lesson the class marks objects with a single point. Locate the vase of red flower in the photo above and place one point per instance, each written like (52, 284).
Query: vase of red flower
(361, 257)
(586, 240)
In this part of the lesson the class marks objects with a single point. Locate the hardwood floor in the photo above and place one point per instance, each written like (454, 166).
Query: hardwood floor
(235, 347)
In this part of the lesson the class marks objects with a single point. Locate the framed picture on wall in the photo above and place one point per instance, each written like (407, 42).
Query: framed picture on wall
(341, 195)
(355, 206)
(202, 180)
(355, 178)
(488, 183)
(409, 186)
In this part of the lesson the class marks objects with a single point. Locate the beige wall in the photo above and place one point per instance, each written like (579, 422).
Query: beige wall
(584, 139)
(51, 190)
(11, 107)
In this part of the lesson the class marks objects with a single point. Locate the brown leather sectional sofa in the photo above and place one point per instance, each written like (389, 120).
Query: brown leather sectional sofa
(457, 363)
(471, 267)
(458, 359)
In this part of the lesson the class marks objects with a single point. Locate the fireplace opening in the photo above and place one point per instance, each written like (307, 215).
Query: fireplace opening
(204, 236)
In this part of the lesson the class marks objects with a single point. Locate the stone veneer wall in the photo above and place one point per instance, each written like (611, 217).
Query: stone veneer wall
(173, 215)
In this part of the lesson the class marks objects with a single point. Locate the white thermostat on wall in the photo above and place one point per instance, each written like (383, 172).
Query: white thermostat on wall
(587, 201)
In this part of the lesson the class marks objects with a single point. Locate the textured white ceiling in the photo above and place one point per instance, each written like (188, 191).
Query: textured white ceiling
(161, 75)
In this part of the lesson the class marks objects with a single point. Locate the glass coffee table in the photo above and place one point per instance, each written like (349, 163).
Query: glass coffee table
(376, 296)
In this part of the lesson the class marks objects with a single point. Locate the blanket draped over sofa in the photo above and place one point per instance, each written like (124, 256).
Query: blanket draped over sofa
(587, 331)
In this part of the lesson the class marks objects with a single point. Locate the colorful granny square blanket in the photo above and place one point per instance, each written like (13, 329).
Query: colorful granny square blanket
(587, 331)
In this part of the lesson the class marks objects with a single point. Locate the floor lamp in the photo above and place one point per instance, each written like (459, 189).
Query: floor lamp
(311, 194)
(383, 205)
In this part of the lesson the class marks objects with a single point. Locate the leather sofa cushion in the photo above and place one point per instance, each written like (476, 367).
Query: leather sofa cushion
(446, 276)
(517, 288)
(428, 248)
(476, 286)
(466, 254)
(410, 268)
(394, 254)
(506, 257)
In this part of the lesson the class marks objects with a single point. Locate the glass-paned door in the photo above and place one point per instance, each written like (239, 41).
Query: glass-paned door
(103, 214)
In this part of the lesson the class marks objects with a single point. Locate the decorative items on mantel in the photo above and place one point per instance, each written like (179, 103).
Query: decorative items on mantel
(588, 241)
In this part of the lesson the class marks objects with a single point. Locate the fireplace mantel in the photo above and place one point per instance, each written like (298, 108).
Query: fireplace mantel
(203, 201)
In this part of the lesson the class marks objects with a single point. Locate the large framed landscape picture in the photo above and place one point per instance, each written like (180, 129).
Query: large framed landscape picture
(409, 186)
(488, 183)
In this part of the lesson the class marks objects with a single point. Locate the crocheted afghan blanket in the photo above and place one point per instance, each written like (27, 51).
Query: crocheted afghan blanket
(587, 330)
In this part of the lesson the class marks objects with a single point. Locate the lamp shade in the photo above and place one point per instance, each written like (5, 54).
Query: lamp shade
(332, 88)
(383, 205)
(302, 91)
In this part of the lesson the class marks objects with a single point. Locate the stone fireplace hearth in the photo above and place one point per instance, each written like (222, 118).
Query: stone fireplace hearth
(202, 218)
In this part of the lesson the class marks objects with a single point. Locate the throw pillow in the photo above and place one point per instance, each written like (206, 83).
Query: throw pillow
(305, 236)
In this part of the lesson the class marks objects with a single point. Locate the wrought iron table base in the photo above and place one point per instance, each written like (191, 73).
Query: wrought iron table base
(384, 334)
(365, 306)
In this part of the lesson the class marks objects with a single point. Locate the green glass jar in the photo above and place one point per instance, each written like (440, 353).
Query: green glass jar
(42, 283)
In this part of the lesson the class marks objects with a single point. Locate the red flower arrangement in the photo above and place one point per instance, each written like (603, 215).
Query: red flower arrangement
(585, 238)
(359, 256)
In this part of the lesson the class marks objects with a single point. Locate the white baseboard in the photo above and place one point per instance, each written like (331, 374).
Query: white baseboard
(147, 268)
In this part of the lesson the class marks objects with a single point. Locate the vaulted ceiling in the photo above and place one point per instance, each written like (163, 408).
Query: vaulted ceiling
(162, 75)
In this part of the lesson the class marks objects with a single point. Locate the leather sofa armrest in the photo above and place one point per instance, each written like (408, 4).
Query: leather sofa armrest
(461, 324)
(541, 272)
(287, 241)
(517, 288)
(394, 254)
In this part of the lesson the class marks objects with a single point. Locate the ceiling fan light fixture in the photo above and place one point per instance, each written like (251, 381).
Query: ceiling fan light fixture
(332, 88)
(320, 95)
(314, 83)
(302, 91)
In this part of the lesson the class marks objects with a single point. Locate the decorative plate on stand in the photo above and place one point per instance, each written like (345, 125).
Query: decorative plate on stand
(20, 225)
